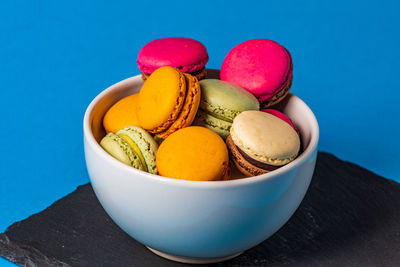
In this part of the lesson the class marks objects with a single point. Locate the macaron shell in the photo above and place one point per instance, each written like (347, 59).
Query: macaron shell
(189, 109)
(188, 55)
(281, 116)
(226, 99)
(216, 125)
(267, 100)
(265, 138)
(193, 153)
(146, 143)
(161, 99)
(260, 66)
(240, 162)
(227, 173)
(119, 149)
(121, 114)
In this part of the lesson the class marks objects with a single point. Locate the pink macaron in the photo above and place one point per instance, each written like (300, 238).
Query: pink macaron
(261, 66)
(281, 116)
(186, 54)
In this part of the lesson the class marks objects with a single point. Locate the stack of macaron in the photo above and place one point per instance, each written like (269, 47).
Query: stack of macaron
(182, 125)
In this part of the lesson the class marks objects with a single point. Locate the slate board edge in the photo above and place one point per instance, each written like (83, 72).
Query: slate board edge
(16, 253)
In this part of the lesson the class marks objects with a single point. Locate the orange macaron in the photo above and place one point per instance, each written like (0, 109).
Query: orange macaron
(193, 153)
(121, 114)
(168, 101)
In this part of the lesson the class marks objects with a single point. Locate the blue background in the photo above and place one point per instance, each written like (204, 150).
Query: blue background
(55, 57)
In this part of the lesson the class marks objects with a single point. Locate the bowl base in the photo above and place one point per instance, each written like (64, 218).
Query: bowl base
(193, 260)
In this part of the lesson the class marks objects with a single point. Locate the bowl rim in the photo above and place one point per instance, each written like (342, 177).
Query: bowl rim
(91, 141)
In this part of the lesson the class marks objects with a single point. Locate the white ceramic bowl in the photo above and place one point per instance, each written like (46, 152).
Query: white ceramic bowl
(194, 221)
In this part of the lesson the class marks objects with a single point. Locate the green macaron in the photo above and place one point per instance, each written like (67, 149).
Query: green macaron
(143, 144)
(220, 103)
(133, 146)
(121, 150)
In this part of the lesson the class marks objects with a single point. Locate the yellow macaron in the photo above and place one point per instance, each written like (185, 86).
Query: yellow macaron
(193, 153)
(161, 99)
(189, 108)
(121, 114)
(168, 101)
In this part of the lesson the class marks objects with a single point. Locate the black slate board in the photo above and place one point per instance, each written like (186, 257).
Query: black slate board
(349, 217)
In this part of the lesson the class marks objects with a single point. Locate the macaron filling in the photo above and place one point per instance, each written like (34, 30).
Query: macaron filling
(199, 73)
(219, 126)
(256, 163)
(242, 164)
(143, 144)
(217, 115)
(135, 148)
(117, 147)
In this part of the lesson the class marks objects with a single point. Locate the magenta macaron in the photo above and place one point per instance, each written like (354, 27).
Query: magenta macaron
(262, 67)
(281, 116)
(188, 55)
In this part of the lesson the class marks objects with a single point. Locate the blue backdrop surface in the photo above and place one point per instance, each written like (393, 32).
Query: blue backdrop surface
(56, 56)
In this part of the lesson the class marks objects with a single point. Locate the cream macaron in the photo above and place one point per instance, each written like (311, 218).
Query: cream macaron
(260, 142)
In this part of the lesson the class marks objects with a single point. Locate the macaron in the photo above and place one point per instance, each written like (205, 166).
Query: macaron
(133, 146)
(168, 101)
(117, 147)
(220, 103)
(188, 55)
(121, 114)
(260, 142)
(193, 153)
(143, 145)
(281, 116)
(261, 66)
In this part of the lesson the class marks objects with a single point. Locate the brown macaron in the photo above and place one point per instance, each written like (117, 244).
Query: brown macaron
(245, 164)
(260, 142)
